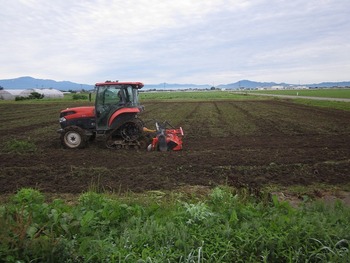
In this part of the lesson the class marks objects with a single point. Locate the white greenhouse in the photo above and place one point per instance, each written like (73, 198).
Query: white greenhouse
(48, 93)
(11, 94)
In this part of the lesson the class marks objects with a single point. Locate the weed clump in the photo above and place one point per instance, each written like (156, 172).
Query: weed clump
(19, 146)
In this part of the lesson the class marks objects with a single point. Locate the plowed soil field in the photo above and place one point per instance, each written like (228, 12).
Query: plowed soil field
(251, 143)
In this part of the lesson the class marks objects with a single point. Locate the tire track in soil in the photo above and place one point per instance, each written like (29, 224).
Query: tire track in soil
(192, 126)
(333, 113)
(303, 119)
(148, 115)
(224, 125)
(28, 128)
(27, 113)
(265, 126)
(285, 123)
(20, 111)
(150, 108)
(238, 123)
(325, 114)
(209, 122)
(164, 111)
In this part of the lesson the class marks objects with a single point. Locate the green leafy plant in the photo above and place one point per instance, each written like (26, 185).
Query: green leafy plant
(197, 213)
(19, 146)
(28, 196)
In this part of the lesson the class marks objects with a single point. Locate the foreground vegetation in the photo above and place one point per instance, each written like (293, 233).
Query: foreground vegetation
(227, 225)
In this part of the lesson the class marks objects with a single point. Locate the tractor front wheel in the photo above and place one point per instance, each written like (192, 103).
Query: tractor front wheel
(73, 137)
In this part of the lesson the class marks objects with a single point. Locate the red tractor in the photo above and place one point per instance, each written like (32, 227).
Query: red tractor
(114, 116)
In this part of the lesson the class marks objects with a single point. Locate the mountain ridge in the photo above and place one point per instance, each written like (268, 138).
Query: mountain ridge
(27, 82)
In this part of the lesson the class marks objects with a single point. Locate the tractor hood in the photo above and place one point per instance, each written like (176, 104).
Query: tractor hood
(78, 112)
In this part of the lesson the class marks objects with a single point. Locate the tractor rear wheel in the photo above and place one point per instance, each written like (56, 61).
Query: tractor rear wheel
(131, 130)
(73, 137)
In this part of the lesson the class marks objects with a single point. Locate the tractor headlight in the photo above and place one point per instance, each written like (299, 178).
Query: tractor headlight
(62, 119)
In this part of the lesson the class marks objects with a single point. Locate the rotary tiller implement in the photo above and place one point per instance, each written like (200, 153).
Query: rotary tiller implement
(166, 138)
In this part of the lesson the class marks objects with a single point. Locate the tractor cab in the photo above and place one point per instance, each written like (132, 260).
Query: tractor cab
(115, 100)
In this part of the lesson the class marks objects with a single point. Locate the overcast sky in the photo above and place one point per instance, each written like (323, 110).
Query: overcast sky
(183, 41)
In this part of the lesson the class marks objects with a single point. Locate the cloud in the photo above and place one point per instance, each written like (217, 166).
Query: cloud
(157, 41)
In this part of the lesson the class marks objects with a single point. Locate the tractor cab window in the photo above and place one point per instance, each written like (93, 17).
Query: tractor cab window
(119, 94)
(109, 98)
(131, 96)
(112, 96)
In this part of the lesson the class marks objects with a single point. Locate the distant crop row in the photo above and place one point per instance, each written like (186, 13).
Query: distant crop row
(328, 93)
(191, 95)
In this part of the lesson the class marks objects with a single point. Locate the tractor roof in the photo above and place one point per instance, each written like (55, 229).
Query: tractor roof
(137, 85)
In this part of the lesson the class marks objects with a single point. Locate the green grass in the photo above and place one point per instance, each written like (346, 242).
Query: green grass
(340, 105)
(192, 95)
(327, 93)
(19, 146)
(227, 225)
(208, 96)
(150, 96)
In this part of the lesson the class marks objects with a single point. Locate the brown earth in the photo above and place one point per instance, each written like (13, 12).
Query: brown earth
(251, 144)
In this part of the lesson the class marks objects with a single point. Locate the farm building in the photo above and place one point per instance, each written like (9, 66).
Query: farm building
(11, 94)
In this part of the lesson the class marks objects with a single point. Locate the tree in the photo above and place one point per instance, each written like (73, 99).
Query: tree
(36, 95)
